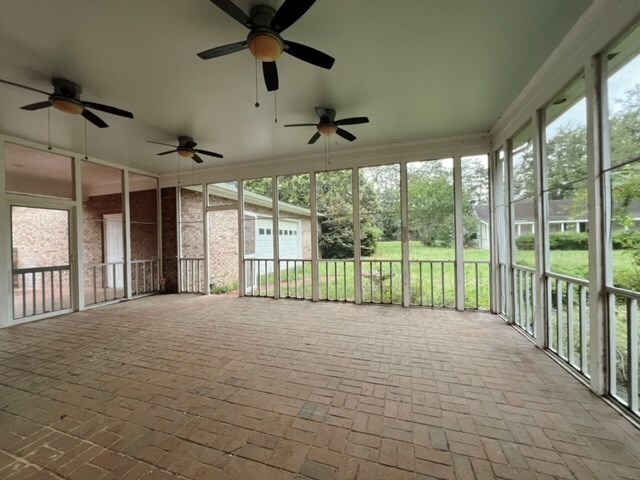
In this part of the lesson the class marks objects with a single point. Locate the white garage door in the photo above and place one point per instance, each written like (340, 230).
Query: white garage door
(290, 239)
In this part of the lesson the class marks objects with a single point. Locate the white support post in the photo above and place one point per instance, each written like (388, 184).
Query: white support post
(357, 254)
(404, 222)
(509, 237)
(205, 239)
(179, 238)
(600, 274)
(315, 276)
(459, 229)
(541, 312)
(276, 237)
(159, 231)
(126, 230)
(77, 244)
(494, 246)
(6, 293)
(241, 277)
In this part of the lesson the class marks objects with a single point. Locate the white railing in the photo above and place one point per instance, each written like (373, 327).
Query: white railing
(192, 275)
(145, 276)
(336, 280)
(101, 282)
(433, 283)
(623, 346)
(477, 284)
(41, 290)
(295, 279)
(568, 320)
(258, 277)
(524, 296)
(382, 281)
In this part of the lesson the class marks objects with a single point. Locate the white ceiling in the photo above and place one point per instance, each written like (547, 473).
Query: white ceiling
(419, 69)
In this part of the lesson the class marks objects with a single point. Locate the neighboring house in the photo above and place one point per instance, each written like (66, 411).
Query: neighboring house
(564, 216)
(294, 230)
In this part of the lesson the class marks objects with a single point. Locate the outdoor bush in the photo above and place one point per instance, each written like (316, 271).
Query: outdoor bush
(569, 241)
(525, 242)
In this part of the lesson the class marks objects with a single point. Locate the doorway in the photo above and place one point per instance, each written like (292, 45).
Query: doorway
(114, 250)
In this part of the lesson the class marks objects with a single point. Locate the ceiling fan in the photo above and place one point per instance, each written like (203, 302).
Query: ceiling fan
(66, 98)
(328, 125)
(186, 149)
(264, 41)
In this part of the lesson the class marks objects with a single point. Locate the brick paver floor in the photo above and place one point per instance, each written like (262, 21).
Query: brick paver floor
(227, 388)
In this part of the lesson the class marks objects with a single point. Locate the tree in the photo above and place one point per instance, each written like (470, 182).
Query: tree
(432, 209)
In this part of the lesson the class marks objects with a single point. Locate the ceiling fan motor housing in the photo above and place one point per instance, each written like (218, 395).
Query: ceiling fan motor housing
(264, 42)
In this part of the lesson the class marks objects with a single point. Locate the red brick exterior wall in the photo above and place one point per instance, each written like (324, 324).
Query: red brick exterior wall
(40, 237)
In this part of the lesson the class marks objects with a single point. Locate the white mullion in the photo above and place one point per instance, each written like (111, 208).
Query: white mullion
(77, 244)
(126, 227)
(459, 233)
(159, 249)
(205, 239)
(357, 255)
(241, 276)
(6, 291)
(494, 297)
(404, 223)
(542, 311)
(315, 277)
(600, 273)
(179, 238)
(276, 238)
(510, 240)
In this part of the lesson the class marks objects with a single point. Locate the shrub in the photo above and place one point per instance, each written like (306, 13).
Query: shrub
(525, 242)
(569, 241)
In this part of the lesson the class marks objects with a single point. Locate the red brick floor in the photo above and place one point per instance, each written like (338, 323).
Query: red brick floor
(226, 388)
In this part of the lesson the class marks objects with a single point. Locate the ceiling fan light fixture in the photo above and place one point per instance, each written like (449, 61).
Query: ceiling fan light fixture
(185, 153)
(327, 129)
(67, 106)
(265, 46)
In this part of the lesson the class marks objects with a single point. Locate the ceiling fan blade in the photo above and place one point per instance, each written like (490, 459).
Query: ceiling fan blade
(211, 154)
(37, 106)
(196, 158)
(301, 125)
(314, 138)
(93, 118)
(270, 72)
(223, 50)
(234, 12)
(346, 135)
(289, 13)
(326, 113)
(23, 86)
(352, 121)
(108, 109)
(309, 55)
(160, 143)
(167, 152)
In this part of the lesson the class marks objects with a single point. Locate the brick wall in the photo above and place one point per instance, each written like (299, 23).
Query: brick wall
(40, 237)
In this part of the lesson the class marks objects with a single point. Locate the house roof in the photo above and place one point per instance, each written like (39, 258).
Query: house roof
(559, 211)
(230, 192)
(418, 69)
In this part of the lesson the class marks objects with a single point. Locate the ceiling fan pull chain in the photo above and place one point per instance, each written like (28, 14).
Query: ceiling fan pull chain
(49, 129)
(275, 102)
(85, 141)
(257, 104)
